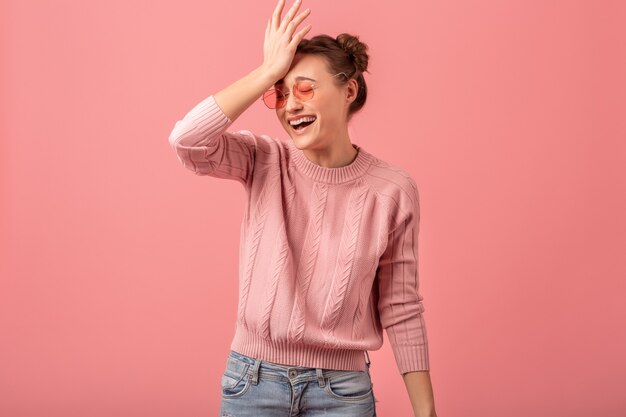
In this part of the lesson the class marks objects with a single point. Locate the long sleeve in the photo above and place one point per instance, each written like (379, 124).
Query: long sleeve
(205, 147)
(400, 303)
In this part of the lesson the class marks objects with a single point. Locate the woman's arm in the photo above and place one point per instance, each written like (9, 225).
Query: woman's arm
(279, 48)
(201, 139)
(420, 393)
(238, 96)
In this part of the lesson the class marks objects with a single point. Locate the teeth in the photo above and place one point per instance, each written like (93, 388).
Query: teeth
(302, 119)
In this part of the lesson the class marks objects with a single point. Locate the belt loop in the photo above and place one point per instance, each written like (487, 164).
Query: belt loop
(320, 377)
(254, 375)
(367, 362)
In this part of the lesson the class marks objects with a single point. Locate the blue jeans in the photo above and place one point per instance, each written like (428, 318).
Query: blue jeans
(255, 388)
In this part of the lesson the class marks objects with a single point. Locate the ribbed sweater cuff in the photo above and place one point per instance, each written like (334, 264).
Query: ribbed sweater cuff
(204, 121)
(209, 116)
(253, 345)
(411, 357)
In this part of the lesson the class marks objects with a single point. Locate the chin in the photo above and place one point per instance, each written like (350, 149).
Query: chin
(300, 144)
(306, 143)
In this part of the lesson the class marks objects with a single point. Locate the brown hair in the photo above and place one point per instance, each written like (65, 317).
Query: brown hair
(342, 54)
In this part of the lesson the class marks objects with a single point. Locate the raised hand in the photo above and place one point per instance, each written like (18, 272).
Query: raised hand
(279, 47)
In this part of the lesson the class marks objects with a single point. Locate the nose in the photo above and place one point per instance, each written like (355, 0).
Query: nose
(293, 102)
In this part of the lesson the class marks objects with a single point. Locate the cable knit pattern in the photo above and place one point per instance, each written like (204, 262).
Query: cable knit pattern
(347, 253)
(328, 256)
(258, 223)
(279, 262)
(307, 263)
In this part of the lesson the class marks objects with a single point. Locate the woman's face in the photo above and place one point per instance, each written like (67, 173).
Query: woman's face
(329, 104)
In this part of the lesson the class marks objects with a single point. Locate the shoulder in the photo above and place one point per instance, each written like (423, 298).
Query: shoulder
(393, 183)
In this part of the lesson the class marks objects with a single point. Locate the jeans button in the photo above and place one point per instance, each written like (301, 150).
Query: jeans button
(293, 373)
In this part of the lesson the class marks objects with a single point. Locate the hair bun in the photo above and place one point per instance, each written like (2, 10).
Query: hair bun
(356, 50)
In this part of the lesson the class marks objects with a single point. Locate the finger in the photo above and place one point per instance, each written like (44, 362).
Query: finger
(290, 14)
(291, 27)
(295, 40)
(300, 18)
(276, 15)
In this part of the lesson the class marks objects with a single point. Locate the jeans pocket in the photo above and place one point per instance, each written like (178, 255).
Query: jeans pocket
(350, 385)
(235, 380)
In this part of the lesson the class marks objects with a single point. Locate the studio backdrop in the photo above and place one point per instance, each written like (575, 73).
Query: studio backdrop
(118, 266)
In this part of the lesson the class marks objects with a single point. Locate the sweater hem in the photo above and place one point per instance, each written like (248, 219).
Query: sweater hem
(297, 354)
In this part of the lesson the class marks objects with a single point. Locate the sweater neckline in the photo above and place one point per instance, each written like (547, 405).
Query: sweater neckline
(331, 175)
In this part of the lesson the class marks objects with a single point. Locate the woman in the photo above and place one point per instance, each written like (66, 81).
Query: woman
(328, 254)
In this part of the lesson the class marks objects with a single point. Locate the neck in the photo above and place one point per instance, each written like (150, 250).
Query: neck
(335, 153)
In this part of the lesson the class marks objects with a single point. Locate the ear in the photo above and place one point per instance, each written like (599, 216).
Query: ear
(352, 90)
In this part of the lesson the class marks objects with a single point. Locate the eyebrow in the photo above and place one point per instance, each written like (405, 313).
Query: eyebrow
(298, 78)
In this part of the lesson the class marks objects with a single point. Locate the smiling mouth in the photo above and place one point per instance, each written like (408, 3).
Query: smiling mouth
(302, 126)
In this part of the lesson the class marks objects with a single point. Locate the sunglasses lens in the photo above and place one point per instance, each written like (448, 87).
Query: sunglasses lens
(274, 99)
(304, 90)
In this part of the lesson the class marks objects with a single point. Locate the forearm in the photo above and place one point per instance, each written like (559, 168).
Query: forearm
(420, 392)
(238, 96)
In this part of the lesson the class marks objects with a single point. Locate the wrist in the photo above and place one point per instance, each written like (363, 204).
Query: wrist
(267, 75)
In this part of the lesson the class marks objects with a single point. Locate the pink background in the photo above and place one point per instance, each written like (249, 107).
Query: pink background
(118, 266)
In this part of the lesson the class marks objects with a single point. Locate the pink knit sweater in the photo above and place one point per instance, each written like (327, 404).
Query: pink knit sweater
(328, 256)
